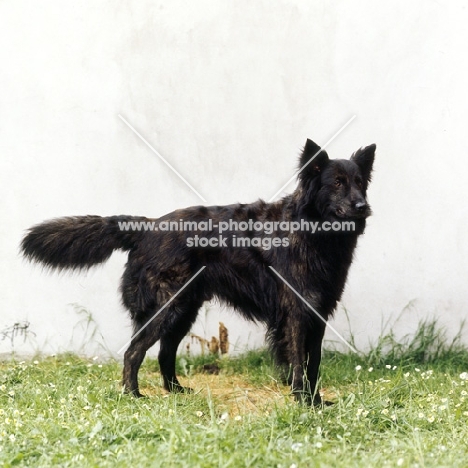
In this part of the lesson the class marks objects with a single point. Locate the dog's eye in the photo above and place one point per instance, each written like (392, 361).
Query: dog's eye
(359, 183)
(338, 182)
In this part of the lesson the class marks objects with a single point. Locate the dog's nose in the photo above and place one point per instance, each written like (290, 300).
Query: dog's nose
(360, 206)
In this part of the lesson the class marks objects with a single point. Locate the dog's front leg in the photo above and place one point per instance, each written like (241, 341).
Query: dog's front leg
(313, 347)
(305, 353)
(295, 342)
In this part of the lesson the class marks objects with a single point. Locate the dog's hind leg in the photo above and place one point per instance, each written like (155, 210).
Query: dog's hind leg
(134, 355)
(279, 347)
(182, 319)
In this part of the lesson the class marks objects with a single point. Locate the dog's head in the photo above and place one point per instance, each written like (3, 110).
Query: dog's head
(335, 189)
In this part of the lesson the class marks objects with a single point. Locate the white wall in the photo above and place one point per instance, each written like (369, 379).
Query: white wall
(228, 92)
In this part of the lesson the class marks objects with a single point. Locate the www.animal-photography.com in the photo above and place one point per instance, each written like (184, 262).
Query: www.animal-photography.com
(234, 234)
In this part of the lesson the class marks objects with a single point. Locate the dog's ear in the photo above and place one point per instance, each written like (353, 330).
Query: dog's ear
(312, 161)
(364, 158)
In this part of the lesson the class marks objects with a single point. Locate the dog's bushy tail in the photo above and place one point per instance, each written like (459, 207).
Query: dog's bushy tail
(78, 243)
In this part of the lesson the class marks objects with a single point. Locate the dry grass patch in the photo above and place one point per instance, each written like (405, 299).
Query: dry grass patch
(234, 394)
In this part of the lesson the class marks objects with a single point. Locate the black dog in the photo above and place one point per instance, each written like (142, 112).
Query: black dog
(246, 268)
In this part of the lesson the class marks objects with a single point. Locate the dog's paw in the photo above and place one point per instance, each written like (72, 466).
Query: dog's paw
(175, 387)
(318, 401)
(134, 393)
(303, 397)
(181, 389)
(322, 403)
(308, 399)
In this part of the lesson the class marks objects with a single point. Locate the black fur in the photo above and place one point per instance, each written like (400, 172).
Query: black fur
(160, 263)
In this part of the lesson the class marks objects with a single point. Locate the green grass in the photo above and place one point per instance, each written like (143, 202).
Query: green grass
(401, 404)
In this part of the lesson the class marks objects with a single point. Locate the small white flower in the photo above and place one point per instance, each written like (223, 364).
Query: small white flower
(296, 446)
(238, 418)
(358, 368)
(464, 376)
(199, 413)
(406, 375)
(12, 437)
(388, 366)
(400, 462)
(319, 445)
(370, 369)
(431, 419)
